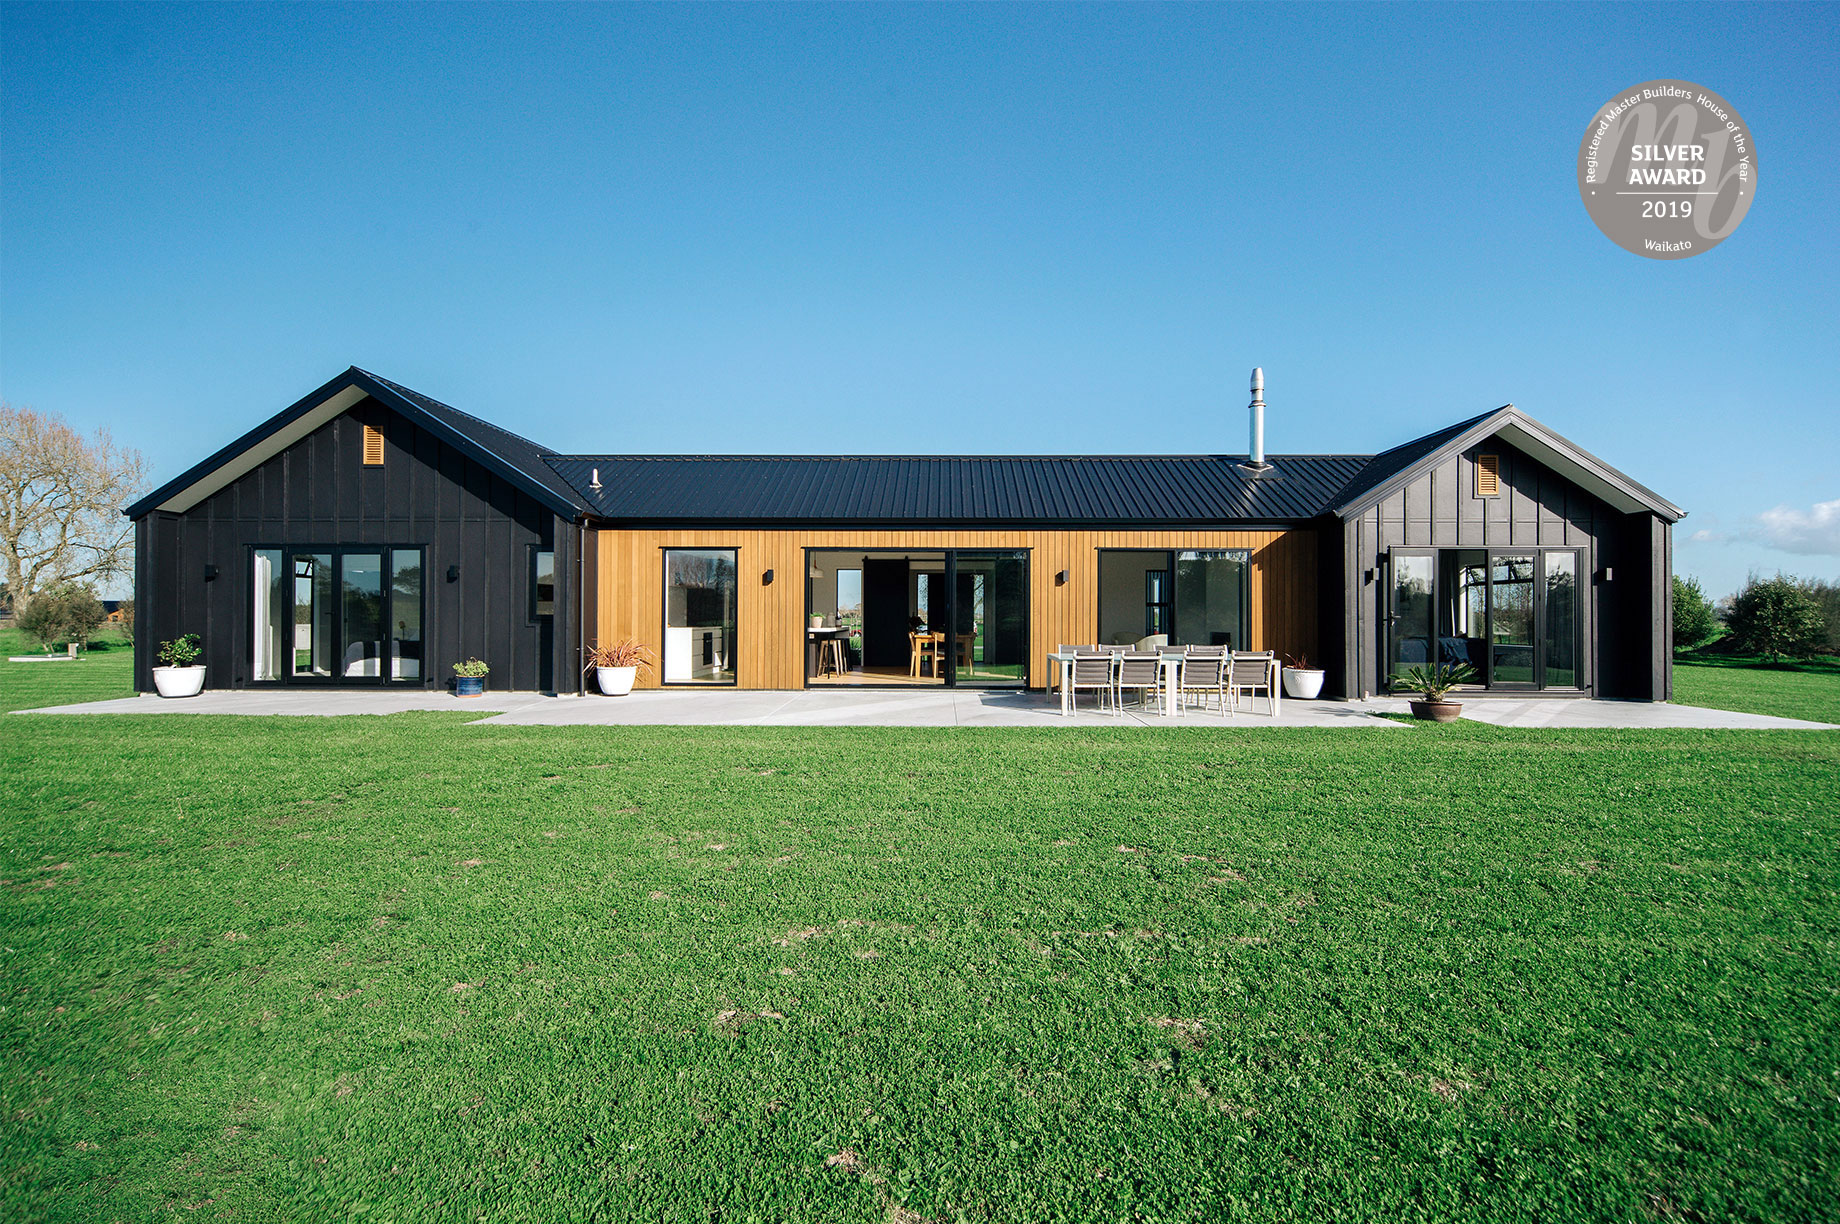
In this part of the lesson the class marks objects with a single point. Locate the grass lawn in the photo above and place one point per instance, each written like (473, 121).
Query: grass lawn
(405, 969)
(105, 671)
(1809, 689)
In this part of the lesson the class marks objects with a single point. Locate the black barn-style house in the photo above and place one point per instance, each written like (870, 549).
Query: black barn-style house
(370, 537)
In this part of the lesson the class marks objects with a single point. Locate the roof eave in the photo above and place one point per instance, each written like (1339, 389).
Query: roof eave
(330, 400)
(1510, 418)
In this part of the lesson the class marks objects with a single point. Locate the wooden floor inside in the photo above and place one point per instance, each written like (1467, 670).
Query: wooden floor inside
(877, 676)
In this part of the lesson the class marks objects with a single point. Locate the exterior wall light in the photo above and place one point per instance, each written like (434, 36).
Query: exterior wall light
(210, 573)
(766, 579)
(453, 573)
(1060, 579)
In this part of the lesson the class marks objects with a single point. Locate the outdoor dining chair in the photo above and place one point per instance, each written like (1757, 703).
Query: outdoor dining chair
(1091, 670)
(1140, 670)
(1248, 672)
(1204, 672)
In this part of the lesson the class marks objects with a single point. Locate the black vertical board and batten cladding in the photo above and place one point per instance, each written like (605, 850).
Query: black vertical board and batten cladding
(318, 491)
(1626, 645)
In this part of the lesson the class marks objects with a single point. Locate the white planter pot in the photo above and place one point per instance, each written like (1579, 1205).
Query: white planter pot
(1304, 684)
(615, 681)
(179, 681)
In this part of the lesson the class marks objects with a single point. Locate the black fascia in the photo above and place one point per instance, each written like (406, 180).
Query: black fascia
(376, 389)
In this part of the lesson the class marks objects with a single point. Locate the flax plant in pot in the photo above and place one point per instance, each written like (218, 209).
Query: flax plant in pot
(1300, 679)
(617, 665)
(1434, 683)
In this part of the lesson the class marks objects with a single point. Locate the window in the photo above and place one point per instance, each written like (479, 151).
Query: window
(373, 446)
(1488, 475)
(344, 614)
(701, 597)
(542, 583)
(1198, 597)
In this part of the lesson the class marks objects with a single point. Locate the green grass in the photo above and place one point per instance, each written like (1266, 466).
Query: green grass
(405, 969)
(1809, 689)
(103, 672)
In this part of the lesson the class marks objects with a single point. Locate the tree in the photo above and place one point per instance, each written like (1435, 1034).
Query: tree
(1827, 595)
(1775, 617)
(1695, 623)
(61, 497)
(68, 612)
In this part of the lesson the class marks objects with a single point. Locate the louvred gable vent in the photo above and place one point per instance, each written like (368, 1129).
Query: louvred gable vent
(373, 447)
(1488, 475)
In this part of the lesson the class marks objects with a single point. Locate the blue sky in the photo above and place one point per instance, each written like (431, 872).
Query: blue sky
(998, 229)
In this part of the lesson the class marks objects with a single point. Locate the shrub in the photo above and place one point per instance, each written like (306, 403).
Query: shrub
(67, 613)
(1776, 618)
(471, 669)
(126, 608)
(1695, 623)
(180, 651)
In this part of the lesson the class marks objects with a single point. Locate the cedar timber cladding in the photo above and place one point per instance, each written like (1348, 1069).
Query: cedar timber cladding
(628, 585)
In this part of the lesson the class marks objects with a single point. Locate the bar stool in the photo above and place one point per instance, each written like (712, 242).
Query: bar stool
(833, 652)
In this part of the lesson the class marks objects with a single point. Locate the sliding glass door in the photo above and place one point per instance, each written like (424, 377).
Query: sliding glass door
(1192, 597)
(1513, 616)
(320, 615)
(989, 642)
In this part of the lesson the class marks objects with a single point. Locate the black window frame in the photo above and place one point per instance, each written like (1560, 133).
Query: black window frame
(664, 615)
(337, 554)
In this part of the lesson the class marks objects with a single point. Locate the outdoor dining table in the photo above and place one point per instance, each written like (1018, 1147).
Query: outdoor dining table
(1169, 676)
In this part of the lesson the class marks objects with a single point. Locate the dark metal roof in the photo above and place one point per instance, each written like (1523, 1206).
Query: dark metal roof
(1383, 467)
(1391, 470)
(518, 452)
(768, 489)
(918, 489)
(518, 460)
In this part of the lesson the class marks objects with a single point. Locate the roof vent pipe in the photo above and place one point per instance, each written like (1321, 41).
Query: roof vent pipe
(1256, 457)
(594, 482)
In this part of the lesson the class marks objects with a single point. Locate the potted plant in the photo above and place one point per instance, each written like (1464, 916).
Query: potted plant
(1434, 683)
(816, 621)
(1300, 679)
(470, 678)
(177, 675)
(616, 666)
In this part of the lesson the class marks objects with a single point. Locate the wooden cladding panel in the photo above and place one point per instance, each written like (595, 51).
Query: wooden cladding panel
(627, 586)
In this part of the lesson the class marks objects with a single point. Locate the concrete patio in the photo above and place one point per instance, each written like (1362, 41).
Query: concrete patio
(907, 708)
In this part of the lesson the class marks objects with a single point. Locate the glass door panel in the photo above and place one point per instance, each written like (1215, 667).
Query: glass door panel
(1511, 620)
(1212, 599)
(1560, 637)
(361, 597)
(316, 614)
(989, 641)
(273, 614)
(406, 613)
(700, 615)
(1410, 621)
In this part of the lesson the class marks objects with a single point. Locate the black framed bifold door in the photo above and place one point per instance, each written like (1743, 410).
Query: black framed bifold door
(901, 618)
(337, 615)
(1515, 616)
(987, 643)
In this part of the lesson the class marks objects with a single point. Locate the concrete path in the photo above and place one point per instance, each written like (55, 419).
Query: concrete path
(904, 708)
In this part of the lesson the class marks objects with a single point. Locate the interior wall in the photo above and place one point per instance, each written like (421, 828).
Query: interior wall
(771, 646)
(1121, 614)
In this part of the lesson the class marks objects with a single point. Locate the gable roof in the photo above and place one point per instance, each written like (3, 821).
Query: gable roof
(907, 489)
(518, 460)
(900, 489)
(1391, 470)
